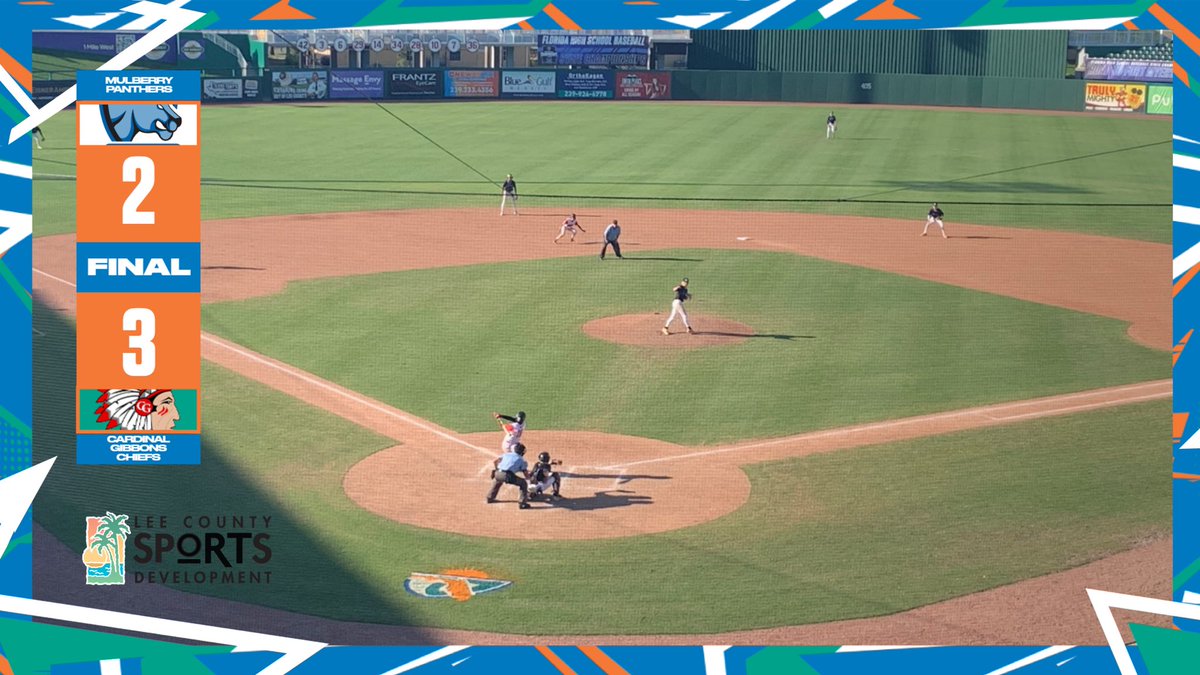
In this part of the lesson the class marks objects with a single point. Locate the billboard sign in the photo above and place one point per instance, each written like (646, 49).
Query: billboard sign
(594, 50)
(585, 84)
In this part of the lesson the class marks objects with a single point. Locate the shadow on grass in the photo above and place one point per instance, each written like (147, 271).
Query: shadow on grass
(773, 336)
(218, 487)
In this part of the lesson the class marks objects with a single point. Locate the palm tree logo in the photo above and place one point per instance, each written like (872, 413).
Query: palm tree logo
(104, 556)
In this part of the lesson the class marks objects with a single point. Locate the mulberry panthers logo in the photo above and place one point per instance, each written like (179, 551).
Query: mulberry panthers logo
(124, 122)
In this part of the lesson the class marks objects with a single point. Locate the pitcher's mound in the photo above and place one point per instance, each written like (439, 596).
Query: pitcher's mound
(646, 330)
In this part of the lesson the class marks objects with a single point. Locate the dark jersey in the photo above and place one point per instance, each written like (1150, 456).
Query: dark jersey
(935, 212)
(681, 293)
(510, 186)
(831, 119)
(541, 472)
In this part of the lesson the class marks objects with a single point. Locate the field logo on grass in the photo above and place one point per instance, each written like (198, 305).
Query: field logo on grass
(104, 556)
(462, 585)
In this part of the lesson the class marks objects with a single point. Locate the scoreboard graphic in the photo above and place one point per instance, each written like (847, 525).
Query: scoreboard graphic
(138, 268)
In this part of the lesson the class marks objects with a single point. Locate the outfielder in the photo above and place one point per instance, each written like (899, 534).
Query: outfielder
(544, 478)
(512, 430)
(830, 125)
(935, 216)
(511, 469)
(569, 225)
(681, 296)
(510, 194)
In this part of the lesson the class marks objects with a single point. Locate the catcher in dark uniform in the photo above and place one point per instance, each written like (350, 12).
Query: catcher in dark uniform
(543, 478)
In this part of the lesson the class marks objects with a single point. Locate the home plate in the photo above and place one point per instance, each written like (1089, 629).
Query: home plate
(743, 238)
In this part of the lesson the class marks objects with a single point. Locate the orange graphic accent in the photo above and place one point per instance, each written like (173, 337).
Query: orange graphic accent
(641, 2)
(1178, 424)
(281, 11)
(102, 341)
(563, 20)
(601, 659)
(525, 25)
(1178, 351)
(35, 2)
(5, 666)
(1171, 23)
(1183, 280)
(1182, 75)
(1186, 476)
(887, 11)
(555, 661)
(1129, 25)
(19, 72)
(174, 197)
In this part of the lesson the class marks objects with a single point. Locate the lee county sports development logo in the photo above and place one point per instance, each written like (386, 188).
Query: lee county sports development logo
(104, 556)
(462, 585)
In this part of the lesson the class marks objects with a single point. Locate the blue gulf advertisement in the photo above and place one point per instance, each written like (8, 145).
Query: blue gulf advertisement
(585, 84)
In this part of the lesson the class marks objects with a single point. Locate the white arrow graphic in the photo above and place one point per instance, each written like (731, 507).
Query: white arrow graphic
(16, 495)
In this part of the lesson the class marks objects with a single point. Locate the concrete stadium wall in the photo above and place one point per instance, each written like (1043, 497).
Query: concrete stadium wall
(894, 89)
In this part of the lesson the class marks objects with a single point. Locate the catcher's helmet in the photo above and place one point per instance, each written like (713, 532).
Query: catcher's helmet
(519, 448)
(544, 457)
(521, 417)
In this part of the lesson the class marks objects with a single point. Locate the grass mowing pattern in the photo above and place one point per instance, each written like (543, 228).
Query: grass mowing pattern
(278, 158)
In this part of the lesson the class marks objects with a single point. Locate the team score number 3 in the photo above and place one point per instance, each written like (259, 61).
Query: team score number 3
(139, 323)
(140, 171)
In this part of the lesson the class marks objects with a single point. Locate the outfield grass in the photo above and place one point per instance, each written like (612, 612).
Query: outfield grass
(860, 532)
(854, 345)
(268, 159)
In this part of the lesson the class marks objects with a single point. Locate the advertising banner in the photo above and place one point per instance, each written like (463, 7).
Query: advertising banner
(644, 85)
(102, 46)
(1115, 97)
(289, 85)
(594, 50)
(231, 89)
(44, 91)
(527, 84)
(472, 84)
(356, 84)
(1161, 100)
(585, 84)
(415, 84)
(1125, 69)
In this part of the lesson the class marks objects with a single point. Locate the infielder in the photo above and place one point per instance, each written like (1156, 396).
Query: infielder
(611, 234)
(935, 216)
(510, 194)
(511, 469)
(681, 296)
(830, 125)
(544, 479)
(569, 225)
(512, 430)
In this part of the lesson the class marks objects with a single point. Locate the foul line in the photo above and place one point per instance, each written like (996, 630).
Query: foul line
(982, 411)
(309, 379)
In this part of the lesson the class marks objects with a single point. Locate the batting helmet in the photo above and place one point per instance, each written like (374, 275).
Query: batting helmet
(521, 417)
(544, 457)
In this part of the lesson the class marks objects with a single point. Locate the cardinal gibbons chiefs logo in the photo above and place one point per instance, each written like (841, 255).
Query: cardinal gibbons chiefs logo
(137, 409)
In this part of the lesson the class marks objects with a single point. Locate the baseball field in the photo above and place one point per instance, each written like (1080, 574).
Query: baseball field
(873, 433)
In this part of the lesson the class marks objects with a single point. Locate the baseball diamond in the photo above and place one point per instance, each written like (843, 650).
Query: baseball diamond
(868, 432)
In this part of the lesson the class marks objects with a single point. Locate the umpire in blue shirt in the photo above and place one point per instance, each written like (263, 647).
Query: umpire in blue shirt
(511, 468)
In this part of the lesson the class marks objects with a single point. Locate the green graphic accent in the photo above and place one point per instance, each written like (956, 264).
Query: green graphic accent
(106, 539)
(784, 660)
(392, 12)
(10, 110)
(185, 403)
(23, 540)
(11, 419)
(997, 12)
(15, 285)
(205, 21)
(1166, 651)
(808, 21)
(1186, 575)
(37, 647)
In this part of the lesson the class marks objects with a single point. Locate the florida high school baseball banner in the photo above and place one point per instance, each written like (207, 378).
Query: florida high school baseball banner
(138, 268)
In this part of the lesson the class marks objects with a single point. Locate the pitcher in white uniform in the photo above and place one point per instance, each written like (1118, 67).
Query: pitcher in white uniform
(681, 295)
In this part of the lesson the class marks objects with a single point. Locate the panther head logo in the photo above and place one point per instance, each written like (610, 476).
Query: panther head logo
(124, 122)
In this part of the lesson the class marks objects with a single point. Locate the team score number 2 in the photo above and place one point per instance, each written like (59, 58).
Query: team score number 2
(140, 171)
(139, 362)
